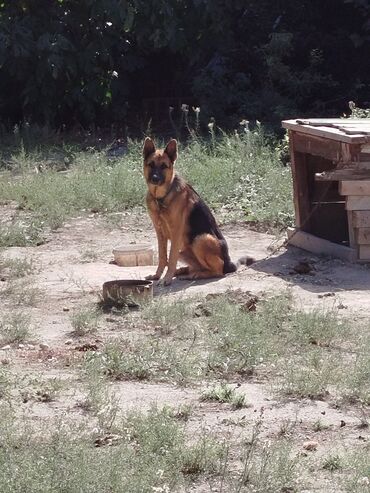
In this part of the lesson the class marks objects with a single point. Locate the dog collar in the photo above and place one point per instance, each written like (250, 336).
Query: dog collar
(160, 201)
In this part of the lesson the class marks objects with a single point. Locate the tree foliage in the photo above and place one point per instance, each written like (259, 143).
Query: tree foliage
(66, 62)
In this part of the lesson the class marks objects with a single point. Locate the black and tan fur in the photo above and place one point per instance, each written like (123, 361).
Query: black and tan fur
(180, 216)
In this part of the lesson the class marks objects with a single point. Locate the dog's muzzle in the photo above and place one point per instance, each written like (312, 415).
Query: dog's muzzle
(156, 178)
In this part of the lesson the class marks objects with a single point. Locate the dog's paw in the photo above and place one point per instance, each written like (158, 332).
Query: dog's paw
(152, 277)
(166, 281)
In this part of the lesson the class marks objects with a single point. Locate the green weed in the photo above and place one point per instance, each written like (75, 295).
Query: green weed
(21, 292)
(15, 268)
(224, 393)
(15, 328)
(332, 463)
(85, 321)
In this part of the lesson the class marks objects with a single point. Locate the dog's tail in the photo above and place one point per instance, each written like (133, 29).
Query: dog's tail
(231, 267)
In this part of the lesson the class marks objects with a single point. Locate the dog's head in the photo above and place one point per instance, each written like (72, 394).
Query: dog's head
(159, 163)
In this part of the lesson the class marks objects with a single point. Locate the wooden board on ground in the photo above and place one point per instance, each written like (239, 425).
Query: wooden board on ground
(313, 244)
(361, 219)
(357, 203)
(354, 187)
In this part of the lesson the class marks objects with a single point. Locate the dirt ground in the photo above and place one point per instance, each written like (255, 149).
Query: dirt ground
(71, 268)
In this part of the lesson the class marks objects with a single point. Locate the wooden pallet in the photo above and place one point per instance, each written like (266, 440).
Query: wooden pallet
(357, 195)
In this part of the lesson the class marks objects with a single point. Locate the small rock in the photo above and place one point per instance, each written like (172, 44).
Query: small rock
(68, 342)
(5, 361)
(342, 423)
(65, 309)
(21, 346)
(5, 348)
(43, 346)
(310, 445)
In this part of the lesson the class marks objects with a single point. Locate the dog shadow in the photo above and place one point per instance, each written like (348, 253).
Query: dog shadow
(178, 286)
(315, 273)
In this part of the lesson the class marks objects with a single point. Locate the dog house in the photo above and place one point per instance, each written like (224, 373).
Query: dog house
(330, 161)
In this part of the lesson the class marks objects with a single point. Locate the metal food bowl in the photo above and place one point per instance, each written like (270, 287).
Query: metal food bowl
(127, 292)
(134, 255)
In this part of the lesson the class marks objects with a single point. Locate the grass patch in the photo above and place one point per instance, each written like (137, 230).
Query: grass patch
(151, 359)
(240, 175)
(40, 390)
(309, 375)
(303, 352)
(89, 255)
(150, 454)
(5, 383)
(169, 317)
(266, 467)
(358, 464)
(15, 328)
(85, 321)
(332, 463)
(21, 292)
(224, 393)
(15, 268)
(22, 233)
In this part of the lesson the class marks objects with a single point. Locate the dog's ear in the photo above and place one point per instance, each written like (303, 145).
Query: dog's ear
(171, 150)
(149, 147)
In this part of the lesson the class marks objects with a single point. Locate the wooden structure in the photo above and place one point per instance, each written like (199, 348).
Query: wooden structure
(331, 182)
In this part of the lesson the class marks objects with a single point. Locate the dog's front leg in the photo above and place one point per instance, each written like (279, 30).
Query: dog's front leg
(172, 261)
(162, 254)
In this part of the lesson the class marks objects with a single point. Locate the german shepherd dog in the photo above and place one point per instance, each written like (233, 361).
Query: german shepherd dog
(181, 216)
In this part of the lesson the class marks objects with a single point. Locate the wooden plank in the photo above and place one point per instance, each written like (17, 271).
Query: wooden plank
(361, 219)
(364, 252)
(319, 246)
(357, 203)
(364, 166)
(341, 121)
(328, 149)
(342, 174)
(364, 155)
(362, 236)
(300, 184)
(354, 187)
(326, 132)
(351, 230)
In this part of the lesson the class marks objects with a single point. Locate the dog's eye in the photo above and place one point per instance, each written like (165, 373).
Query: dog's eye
(163, 166)
(151, 165)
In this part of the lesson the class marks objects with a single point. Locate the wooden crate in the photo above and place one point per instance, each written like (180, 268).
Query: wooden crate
(331, 184)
